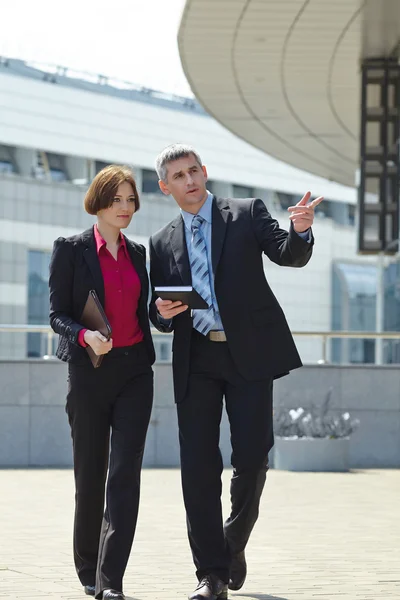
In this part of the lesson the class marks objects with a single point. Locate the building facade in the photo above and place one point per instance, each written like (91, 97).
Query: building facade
(59, 128)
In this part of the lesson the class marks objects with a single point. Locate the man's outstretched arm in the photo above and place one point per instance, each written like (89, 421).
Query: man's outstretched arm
(291, 248)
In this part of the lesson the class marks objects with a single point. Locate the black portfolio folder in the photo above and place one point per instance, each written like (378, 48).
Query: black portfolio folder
(94, 318)
(186, 294)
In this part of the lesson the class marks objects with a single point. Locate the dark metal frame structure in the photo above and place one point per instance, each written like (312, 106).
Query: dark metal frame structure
(378, 203)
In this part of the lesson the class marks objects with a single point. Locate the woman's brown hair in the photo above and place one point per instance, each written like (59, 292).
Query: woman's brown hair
(104, 186)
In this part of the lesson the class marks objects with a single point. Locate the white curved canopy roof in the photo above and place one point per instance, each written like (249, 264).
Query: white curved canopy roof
(284, 74)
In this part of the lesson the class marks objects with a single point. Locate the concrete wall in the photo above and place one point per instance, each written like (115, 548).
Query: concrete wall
(34, 429)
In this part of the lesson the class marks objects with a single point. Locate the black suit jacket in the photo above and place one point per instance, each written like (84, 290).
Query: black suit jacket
(257, 333)
(74, 270)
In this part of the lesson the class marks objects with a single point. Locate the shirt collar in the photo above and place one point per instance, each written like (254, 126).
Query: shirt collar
(205, 212)
(101, 242)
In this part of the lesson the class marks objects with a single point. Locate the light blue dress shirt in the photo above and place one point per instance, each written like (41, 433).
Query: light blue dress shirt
(206, 213)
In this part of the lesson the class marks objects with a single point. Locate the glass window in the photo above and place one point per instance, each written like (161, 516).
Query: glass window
(353, 309)
(58, 175)
(243, 191)
(6, 159)
(38, 300)
(150, 182)
(352, 214)
(391, 348)
(50, 166)
(286, 200)
(6, 167)
(341, 213)
(325, 209)
(57, 168)
(210, 184)
(99, 165)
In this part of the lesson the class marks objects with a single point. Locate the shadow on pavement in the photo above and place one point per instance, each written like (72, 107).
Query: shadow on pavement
(237, 595)
(257, 596)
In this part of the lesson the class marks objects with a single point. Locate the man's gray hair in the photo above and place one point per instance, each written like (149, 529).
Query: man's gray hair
(171, 153)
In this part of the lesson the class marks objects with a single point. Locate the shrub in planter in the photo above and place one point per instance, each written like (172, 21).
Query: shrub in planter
(312, 440)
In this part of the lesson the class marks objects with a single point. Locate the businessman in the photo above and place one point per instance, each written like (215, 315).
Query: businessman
(232, 350)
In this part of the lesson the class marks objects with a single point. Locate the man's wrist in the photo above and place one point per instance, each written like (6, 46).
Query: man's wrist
(166, 319)
(305, 235)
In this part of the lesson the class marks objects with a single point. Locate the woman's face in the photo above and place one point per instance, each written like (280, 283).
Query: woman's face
(120, 213)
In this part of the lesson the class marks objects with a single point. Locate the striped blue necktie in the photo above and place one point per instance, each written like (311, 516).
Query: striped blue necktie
(203, 320)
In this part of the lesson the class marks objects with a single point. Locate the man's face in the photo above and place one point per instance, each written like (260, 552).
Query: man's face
(186, 182)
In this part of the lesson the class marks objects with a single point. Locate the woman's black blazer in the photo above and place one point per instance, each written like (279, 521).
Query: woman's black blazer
(74, 271)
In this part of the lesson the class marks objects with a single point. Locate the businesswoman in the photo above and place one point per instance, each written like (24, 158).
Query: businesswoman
(115, 398)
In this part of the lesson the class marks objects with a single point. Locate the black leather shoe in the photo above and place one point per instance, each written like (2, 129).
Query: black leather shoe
(210, 588)
(89, 590)
(238, 571)
(113, 595)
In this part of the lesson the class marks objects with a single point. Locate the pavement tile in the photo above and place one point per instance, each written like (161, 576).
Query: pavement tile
(319, 536)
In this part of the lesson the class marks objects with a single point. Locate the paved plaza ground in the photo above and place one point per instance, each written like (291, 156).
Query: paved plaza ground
(319, 536)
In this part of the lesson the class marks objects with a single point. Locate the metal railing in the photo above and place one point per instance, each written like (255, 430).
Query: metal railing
(46, 329)
(357, 335)
(323, 335)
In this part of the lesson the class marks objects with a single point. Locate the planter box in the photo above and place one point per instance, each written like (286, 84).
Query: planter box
(311, 454)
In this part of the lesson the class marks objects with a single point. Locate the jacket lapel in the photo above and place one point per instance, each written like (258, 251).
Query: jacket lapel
(220, 218)
(92, 260)
(179, 250)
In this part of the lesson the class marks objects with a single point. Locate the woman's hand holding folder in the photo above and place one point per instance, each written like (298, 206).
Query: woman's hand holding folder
(97, 342)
